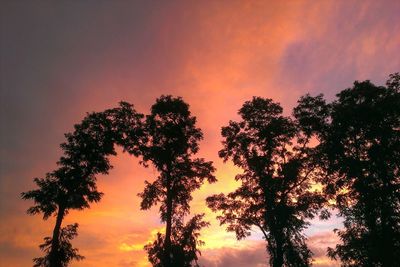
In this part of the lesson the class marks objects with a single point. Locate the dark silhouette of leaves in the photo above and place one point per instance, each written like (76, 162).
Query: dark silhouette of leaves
(86, 152)
(274, 194)
(66, 252)
(360, 147)
(184, 243)
(172, 141)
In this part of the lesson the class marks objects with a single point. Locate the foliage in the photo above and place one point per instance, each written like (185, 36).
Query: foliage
(172, 141)
(360, 144)
(351, 146)
(275, 194)
(85, 154)
(86, 151)
(184, 244)
(66, 252)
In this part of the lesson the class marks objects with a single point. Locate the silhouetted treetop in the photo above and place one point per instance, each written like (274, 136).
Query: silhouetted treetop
(262, 132)
(275, 186)
(360, 151)
(312, 115)
(171, 131)
(172, 141)
(85, 154)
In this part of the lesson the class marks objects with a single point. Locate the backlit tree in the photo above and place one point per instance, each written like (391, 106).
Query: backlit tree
(73, 184)
(274, 196)
(360, 144)
(172, 143)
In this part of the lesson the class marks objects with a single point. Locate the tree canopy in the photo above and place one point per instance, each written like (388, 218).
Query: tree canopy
(275, 186)
(184, 244)
(66, 252)
(85, 154)
(172, 142)
(349, 147)
(360, 143)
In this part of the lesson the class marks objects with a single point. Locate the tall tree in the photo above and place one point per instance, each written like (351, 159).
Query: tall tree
(172, 142)
(275, 194)
(360, 143)
(73, 184)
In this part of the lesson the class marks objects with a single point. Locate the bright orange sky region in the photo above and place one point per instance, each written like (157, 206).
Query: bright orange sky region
(62, 59)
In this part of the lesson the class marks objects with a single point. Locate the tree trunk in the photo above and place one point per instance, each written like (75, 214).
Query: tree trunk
(55, 260)
(387, 255)
(168, 230)
(278, 259)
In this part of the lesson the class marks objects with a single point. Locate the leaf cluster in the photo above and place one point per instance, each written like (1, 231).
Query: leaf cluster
(66, 253)
(185, 242)
(278, 172)
(86, 154)
(359, 144)
(172, 142)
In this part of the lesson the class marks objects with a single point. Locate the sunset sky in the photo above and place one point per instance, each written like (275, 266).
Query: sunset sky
(61, 59)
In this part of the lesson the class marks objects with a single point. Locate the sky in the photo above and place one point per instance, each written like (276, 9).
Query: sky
(59, 60)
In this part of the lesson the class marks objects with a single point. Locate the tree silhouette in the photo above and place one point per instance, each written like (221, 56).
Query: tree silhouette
(184, 243)
(172, 141)
(274, 195)
(73, 184)
(360, 143)
(66, 252)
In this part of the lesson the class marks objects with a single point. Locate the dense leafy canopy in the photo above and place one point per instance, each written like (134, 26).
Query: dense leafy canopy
(278, 172)
(172, 142)
(360, 143)
(86, 152)
(350, 146)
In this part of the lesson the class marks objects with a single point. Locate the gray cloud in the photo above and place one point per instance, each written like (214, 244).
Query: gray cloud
(255, 256)
(352, 41)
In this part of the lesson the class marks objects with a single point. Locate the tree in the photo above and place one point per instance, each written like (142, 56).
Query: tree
(172, 142)
(66, 252)
(275, 194)
(73, 184)
(184, 243)
(360, 144)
